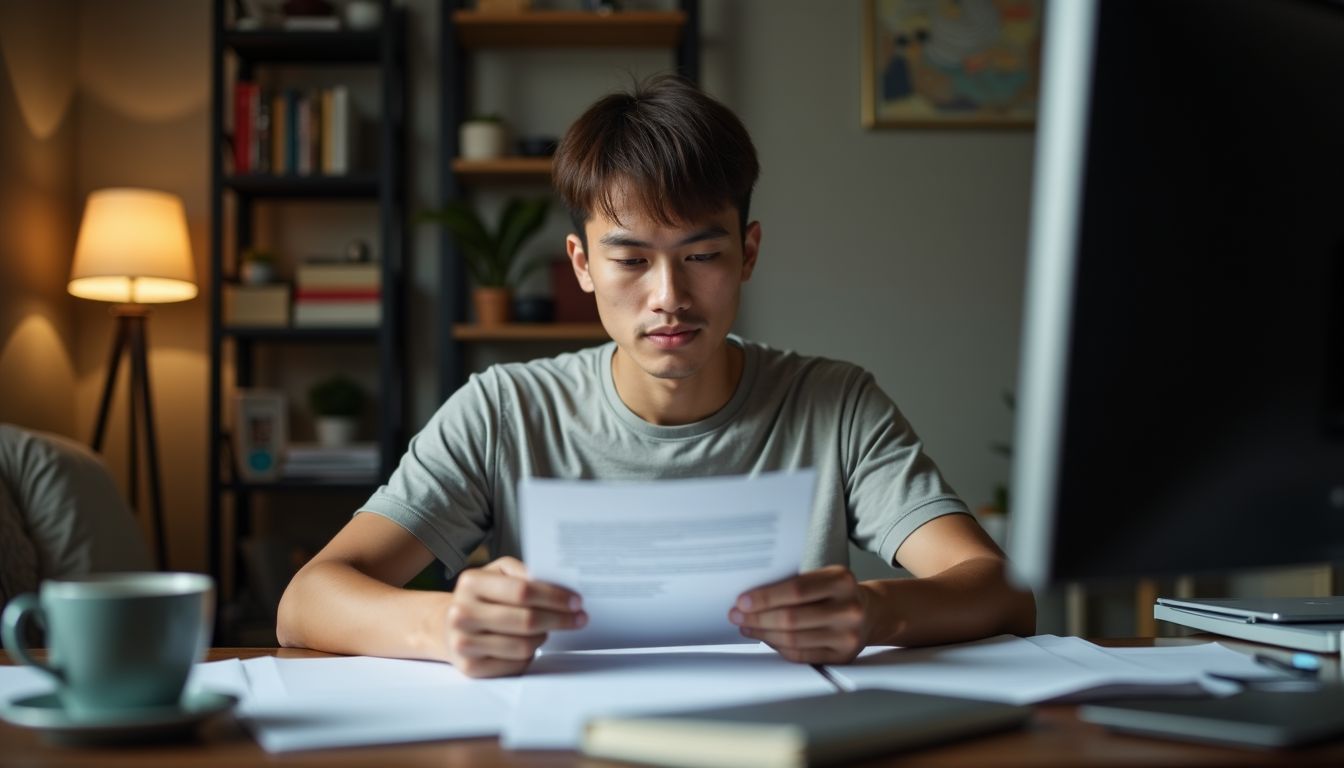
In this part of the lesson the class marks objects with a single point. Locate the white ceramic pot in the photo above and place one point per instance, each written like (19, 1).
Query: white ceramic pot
(363, 14)
(257, 272)
(481, 140)
(335, 431)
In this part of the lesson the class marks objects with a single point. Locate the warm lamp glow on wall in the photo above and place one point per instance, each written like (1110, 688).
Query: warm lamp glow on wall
(133, 250)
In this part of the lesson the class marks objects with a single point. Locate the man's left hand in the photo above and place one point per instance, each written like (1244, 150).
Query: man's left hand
(819, 617)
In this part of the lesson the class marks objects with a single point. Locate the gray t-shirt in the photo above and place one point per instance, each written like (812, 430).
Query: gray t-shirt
(562, 418)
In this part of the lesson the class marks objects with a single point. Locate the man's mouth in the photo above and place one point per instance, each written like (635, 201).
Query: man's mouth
(672, 336)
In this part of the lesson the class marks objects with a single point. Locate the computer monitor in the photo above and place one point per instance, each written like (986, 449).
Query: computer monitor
(1181, 391)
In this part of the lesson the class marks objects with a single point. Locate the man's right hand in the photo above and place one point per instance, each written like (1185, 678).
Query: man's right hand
(499, 618)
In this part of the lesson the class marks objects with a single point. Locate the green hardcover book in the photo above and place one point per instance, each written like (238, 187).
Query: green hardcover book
(812, 730)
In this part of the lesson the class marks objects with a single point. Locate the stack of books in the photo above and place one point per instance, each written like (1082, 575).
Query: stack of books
(357, 461)
(292, 131)
(341, 294)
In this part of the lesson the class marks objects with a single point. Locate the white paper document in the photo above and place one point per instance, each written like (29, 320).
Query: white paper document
(661, 563)
(298, 704)
(562, 691)
(1014, 670)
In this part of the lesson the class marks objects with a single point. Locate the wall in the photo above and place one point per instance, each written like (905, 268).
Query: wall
(144, 83)
(37, 223)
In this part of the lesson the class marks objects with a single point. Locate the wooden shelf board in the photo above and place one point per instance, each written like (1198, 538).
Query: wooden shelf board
(361, 484)
(505, 169)
(304, 46)
(531, 332)
(315, 186)
(570, 29)
(302, 333)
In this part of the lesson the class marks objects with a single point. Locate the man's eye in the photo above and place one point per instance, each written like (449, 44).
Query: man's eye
(704, 256)
(628, 262)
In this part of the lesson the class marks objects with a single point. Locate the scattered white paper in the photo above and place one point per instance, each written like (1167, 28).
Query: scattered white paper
(299, 704)
(224, 676)
(1018, 671)
(219, 676)
(661, 563)
(17, 682)
(562, 691)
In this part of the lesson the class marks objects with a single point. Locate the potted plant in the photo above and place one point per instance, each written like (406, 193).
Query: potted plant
(258, 267)
(336, 403)
(492, 257)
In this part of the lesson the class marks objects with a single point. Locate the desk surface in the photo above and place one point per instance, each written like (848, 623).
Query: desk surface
(1055, 737)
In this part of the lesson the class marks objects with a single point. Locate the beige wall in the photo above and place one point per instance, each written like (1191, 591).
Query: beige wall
(103, 94)
(37, 181)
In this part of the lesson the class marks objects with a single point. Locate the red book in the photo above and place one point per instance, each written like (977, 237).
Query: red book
(244, 119)
(337, 294)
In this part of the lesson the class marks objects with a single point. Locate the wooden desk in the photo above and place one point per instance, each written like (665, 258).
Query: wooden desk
(1055, 738)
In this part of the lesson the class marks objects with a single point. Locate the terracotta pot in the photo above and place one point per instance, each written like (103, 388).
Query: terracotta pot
(492, 305)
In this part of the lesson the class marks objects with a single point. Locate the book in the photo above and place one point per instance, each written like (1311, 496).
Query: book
(314, 275)
(256, 305)
(354, 314)
(246, 96)
(279, 132)
(260, 430)
(337, 131)
(809, 730)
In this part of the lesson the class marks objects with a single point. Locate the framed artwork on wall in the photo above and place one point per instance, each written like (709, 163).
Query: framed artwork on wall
(948, 63)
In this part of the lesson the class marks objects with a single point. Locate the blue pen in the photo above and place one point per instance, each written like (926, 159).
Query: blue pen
(1301, 664)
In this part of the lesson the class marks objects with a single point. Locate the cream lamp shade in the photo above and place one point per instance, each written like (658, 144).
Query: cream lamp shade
(133, 248)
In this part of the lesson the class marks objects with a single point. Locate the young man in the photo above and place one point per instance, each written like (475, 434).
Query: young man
(659, 184)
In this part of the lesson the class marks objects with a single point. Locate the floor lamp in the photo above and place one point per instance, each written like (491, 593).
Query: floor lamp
(133, 250)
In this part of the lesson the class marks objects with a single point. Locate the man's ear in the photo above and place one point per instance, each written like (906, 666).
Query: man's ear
(751, 247)
(578, 259)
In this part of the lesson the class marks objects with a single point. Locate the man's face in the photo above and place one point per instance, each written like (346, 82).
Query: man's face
(667, 295)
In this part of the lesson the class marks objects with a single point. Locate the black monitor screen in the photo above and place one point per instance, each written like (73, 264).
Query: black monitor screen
(1181, 392)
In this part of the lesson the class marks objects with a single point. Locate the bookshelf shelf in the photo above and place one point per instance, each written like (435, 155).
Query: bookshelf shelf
(570, 29)
(245, 358)
(278, 334)
(504, 169)
(357, 186)
(278, 46)
(465, 31)
(531, 332)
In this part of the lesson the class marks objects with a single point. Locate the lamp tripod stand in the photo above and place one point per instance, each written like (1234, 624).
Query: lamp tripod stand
(130, 336)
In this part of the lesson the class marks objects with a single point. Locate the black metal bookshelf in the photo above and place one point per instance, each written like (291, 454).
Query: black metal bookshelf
(241, 55)
(461, 31)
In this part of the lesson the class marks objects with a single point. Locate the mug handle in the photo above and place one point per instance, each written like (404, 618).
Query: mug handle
(12, 624)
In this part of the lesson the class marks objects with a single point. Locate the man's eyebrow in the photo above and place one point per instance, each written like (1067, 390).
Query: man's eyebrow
(620, 239)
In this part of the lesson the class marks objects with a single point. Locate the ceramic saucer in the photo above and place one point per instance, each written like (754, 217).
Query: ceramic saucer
(45, 713)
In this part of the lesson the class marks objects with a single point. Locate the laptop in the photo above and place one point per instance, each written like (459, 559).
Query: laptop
(1305, 623)
(1295, 610)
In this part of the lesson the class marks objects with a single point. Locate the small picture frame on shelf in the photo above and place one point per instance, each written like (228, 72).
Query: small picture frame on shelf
(260, 433)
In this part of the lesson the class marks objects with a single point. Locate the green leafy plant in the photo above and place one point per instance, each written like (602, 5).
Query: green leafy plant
(336, 396)
(492, 257)
(258, 256)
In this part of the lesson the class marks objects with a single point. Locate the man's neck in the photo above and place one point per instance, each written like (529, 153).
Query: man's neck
(673, 402)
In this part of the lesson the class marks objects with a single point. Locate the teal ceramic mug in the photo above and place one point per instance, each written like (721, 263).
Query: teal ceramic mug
(116, 642)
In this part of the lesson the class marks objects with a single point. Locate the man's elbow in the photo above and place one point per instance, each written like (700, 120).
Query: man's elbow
(287, 618)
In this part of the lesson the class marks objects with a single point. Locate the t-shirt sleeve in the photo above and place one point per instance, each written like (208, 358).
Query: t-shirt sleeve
(441, 491)
(893, 487)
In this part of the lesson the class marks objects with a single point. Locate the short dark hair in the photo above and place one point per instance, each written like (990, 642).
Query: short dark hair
(673, 151)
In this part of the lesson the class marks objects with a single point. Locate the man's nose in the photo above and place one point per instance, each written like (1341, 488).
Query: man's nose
(669, 291)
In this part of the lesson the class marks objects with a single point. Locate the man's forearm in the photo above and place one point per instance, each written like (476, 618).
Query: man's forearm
(331, 606)
(968, 601)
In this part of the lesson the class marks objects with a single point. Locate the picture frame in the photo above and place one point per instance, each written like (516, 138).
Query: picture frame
(950, 63)
(260, 433)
